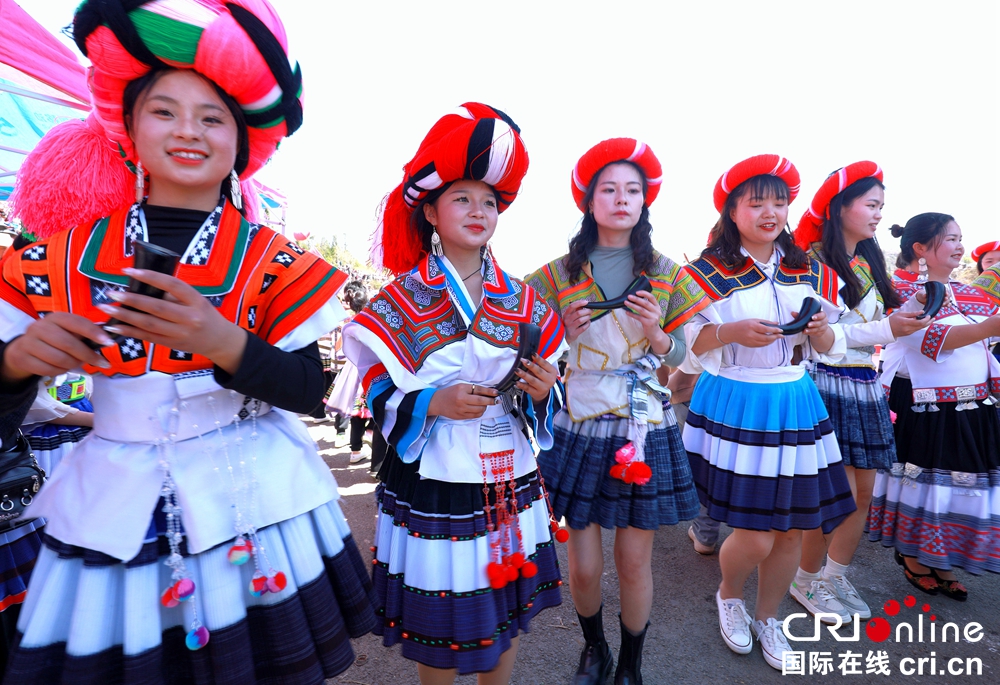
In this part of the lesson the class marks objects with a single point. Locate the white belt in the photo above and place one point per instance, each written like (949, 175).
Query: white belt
(152, 407)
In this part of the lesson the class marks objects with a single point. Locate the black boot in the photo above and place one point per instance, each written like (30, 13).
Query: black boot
(596, 660)
(629, 671)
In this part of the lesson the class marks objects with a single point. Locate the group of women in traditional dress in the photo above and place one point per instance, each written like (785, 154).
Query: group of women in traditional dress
(195, 535)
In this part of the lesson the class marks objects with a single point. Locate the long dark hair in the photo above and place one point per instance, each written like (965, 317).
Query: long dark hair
(641, 238)
(926, 229)
(834, 251)
(724, 241)
(135, 90)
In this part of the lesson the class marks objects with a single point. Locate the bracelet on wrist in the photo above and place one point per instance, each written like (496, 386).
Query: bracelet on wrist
(718, 328)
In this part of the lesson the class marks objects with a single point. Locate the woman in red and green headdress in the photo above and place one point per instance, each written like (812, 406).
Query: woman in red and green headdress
(195, 535)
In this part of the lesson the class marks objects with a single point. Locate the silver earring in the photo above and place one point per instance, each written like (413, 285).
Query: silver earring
(436, 248)
(922, 267)
(140, 183)
(235, 192)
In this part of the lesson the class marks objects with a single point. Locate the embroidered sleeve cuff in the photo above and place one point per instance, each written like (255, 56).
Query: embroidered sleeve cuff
(402, 417)
(933, 342)
(541, 414)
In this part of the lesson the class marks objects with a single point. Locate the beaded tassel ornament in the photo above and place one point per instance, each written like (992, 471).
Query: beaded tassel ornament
(183, 587)
(243, 500)
(506, 563)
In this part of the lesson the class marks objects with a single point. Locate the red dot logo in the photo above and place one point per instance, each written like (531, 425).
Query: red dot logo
(926, 608)
(933, 617)
(891, 607)
(910, 601)
(878, 629)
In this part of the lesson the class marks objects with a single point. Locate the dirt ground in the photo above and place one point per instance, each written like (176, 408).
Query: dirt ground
(683, 644)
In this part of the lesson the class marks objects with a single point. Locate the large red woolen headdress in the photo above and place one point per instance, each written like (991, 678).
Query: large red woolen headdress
(759, 165)
(617, 150)
(810, 228)
(476, 142)
(240, 45)
(984, 248)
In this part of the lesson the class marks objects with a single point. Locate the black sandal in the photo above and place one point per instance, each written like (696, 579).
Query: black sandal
(925, 582)
(951, 588)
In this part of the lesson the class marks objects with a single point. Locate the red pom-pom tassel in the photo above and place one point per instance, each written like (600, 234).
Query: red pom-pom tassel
(562, 535)
(497, 575)
(640, 472)
(529, 569)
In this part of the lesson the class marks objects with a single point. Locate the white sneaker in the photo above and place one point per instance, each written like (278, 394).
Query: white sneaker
(819, 598)
(772, 641)
(700, 547)
(365, 453)
(849, 597)
(734, 624)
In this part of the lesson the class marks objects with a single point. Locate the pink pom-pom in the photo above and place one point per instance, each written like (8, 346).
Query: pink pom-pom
(183, 589)
(625, 453)
(251, 202)
(892, 416)
(74, 176)
(277, 582)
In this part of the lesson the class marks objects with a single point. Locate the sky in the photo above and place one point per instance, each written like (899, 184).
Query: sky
(912, 85)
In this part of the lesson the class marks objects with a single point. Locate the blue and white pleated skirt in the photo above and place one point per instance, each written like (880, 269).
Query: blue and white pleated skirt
(764, 455)
(51, 443)
(583, 491)
(90, 618)
(431, 553)
(859, 413)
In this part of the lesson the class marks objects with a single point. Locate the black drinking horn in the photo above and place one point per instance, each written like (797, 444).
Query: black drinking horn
(810, 308)
(530, 336)
(935, 299)
(151, 258)
(620, 301)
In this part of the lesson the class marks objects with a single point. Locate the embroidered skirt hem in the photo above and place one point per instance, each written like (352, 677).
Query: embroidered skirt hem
(942, 503)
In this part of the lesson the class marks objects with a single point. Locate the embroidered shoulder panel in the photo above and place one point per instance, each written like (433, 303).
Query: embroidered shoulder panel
(859, 266)
(989, 283)
(497, 320)
(970, 300)
(680, 296)
(823, 279)
(719, 281)
(412, 319)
